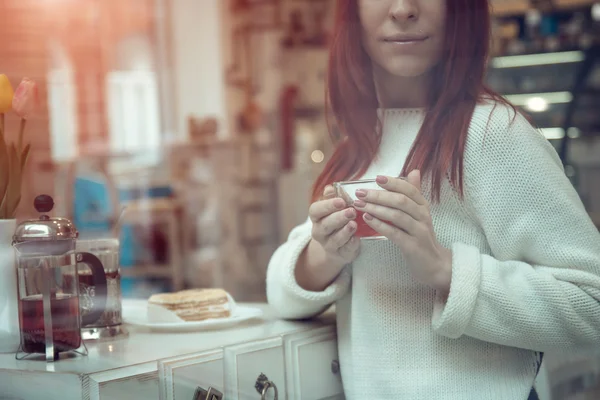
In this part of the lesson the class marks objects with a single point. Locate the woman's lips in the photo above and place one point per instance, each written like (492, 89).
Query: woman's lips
(405, 39)
(405, 42)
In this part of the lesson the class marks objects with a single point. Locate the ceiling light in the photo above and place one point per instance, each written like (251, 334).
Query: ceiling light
(574, 133)
(596, 12)
(317, 156)
(559, 133)
(553, 133)
(550, 98)
(528, 60)
(537, 104)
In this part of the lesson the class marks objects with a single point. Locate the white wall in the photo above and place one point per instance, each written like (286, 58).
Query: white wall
(198, 61)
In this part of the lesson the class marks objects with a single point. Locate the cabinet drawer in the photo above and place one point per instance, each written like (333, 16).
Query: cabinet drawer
(181, 376)
(245, 363)
(312, 372)
(120, 384)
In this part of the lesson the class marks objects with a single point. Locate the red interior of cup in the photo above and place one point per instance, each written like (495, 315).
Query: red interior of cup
(347, 191)
(363, 230)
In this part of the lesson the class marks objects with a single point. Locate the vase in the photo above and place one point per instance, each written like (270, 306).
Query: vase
(9, 309)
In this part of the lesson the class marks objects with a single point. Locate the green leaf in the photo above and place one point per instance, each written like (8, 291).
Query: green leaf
(25, 156)
(13, 192)
(4, 176)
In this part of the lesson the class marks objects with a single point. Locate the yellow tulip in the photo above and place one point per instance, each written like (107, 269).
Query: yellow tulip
(6, 94)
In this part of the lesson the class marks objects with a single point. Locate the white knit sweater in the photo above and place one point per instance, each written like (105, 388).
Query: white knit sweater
(525, 275)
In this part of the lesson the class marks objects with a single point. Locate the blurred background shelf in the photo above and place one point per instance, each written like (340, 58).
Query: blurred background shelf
(514, 8)
(546, 62)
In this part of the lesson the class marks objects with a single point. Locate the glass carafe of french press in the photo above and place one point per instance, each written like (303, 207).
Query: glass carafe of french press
(50, 314)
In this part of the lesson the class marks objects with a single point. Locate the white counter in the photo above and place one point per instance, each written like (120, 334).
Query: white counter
(137, 360)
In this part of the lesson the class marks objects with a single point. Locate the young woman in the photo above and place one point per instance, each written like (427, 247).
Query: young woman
(491, 258)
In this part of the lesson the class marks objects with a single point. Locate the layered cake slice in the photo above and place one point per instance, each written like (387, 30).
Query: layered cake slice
(195, 304)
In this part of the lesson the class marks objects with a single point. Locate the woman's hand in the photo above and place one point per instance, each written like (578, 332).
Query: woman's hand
(333, 244)
(409, 226)
(334, 228)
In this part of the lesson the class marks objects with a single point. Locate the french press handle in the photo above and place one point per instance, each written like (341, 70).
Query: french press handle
(100, 288)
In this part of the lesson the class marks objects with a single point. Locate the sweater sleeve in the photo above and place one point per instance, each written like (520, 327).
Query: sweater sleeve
(284, 294)
(539, 289)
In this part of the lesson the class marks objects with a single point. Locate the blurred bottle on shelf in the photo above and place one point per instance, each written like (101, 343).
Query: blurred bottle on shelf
(543, 30)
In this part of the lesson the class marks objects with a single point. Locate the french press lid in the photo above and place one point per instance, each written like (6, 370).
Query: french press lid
(44, 228)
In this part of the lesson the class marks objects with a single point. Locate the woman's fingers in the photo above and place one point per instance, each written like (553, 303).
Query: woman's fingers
(328, 192)
(350, 250)
(332, 223)
(395, 217)
(391, 200)
(402, 186)
(323, 208)
(341, 237)
(396, 235)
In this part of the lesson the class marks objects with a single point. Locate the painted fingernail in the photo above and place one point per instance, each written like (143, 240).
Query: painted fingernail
(339, 203)
(361, 193)
(382, 179)
(368, 217)
(350, 213)
(359, 203)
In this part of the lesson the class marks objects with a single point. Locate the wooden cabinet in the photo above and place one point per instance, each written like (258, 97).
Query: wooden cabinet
(120, 384)
(245, 363)
(181, 376)
(296, 360)
(312, 367)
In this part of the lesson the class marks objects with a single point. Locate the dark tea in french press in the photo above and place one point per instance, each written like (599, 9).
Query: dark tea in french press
(50, 317)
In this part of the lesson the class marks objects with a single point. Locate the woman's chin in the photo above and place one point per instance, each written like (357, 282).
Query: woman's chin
(409, 72)
(408, 68)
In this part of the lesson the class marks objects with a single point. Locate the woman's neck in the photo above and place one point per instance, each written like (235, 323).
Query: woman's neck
(400, 92)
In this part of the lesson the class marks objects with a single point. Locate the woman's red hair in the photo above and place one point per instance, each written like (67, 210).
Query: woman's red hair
(456, 88)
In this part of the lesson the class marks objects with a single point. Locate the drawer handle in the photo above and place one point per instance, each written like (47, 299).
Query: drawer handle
(335, 367)
(262, 386)
(210, 394)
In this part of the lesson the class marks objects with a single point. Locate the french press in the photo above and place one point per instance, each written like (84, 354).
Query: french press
(50, 313)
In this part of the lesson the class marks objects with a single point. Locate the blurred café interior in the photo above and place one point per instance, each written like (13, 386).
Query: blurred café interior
(193, 129)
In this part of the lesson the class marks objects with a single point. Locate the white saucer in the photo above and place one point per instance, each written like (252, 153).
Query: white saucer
(135, 312)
